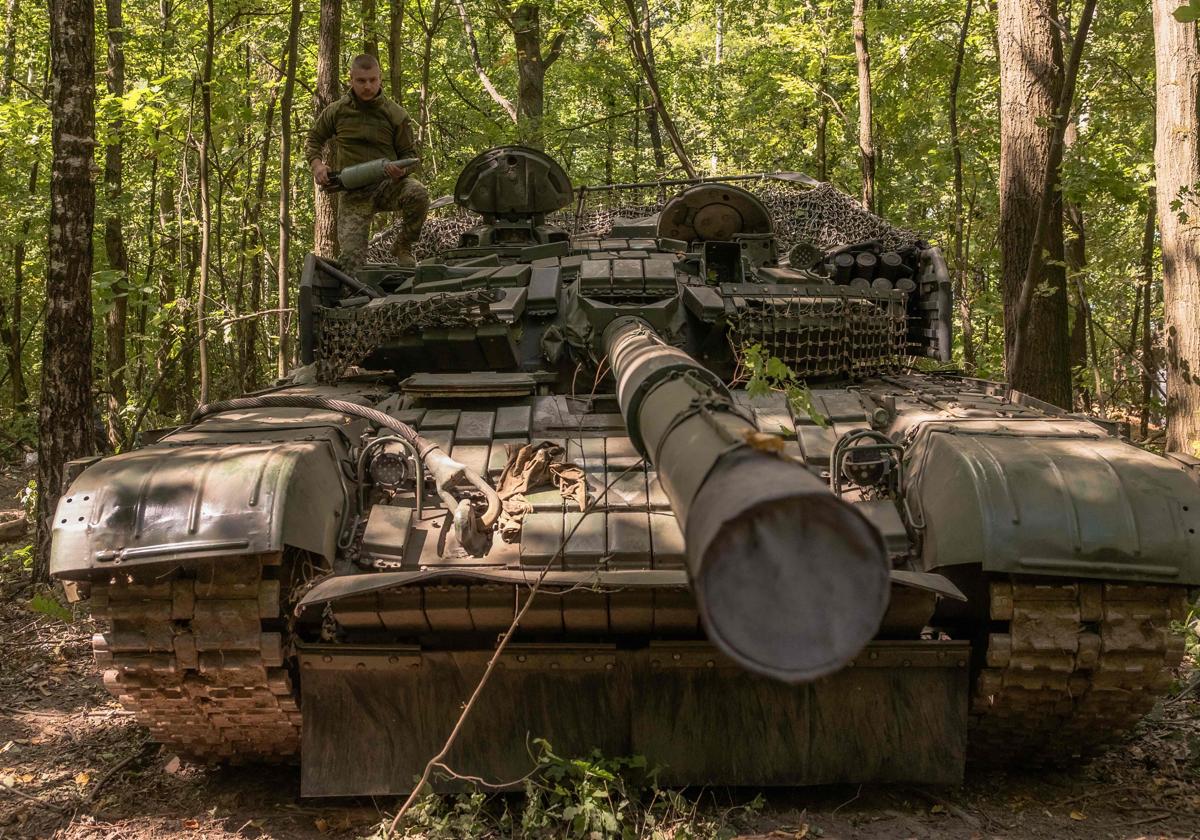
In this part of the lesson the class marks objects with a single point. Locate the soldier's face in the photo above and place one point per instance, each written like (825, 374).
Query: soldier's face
(364, 83)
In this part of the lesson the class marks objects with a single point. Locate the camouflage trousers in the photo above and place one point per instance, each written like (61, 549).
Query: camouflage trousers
(357, 207)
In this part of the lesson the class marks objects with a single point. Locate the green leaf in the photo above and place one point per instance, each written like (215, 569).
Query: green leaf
(48, 606)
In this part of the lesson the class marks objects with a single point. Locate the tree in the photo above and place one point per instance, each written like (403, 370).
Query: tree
(1030, 84)
(206, 80)
(967, 331)
(526, 25)
(65, 419)
(329, 45)
(12, 330)
(1048, 220)
(114, 236)
(1177, 167)
(866, 141)
(285, 181)
(396, 49)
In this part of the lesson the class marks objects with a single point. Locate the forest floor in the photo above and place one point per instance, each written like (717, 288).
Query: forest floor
(74, 766)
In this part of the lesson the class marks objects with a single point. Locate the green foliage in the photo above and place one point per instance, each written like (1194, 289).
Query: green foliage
(592, 798)
(48, 606)
(768, 373)
(20, 558)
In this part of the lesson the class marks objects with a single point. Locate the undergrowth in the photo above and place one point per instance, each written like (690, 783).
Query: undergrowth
(593, 798)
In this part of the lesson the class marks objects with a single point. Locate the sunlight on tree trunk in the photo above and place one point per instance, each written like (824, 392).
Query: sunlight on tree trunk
(1177, 165)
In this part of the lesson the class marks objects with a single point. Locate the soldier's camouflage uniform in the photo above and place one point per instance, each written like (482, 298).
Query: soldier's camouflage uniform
(362, 132)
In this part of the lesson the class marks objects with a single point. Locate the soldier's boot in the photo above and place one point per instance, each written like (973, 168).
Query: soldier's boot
(410, 233)
(402, 254)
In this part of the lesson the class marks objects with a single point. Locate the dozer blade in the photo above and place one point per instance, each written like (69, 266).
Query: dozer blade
(374, 717)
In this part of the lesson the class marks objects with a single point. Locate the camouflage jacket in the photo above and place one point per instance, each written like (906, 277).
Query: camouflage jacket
(361, 131)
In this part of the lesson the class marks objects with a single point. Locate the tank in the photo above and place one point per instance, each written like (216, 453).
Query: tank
(878, 577)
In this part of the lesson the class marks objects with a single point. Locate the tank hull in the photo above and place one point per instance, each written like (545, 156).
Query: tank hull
(273, 587)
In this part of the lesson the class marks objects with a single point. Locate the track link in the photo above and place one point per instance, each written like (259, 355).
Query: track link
(1071, 666)
(199, 658)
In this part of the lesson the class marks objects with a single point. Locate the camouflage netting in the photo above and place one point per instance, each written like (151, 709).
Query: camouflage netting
(820, 217)
(824, 335)
(345, 337)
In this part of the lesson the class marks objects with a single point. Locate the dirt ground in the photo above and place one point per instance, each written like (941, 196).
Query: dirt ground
(73, 766)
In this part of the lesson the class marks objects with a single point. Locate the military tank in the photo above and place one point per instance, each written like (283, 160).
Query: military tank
(548, 417)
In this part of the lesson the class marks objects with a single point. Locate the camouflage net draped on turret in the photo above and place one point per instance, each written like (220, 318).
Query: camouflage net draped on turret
(820, 217)
(345, 337)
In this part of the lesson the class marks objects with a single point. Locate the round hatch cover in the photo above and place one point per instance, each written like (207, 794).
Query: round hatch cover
(713, 212)
(511, 182)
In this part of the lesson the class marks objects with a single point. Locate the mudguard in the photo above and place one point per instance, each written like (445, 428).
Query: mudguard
(171, 503)
(1051, 497)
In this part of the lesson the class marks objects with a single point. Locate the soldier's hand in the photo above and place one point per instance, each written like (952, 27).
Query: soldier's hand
(396, 172)
(320, 173)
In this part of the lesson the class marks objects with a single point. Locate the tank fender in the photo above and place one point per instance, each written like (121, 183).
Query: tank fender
(169, 504)
(1051, 497)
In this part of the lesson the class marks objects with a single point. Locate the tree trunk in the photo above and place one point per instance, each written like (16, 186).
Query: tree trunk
(285, 196)
(967, 331)
(248, 330)
(1082, 334)
(651, 75)
(205, 209)
(1177, 167)
(114, 238)
(168, 391)
(718, 55)
(1030, 84)
(12, 11)
(396, 49)
(12, 329)
(660, 157)
(15, 343)
(526, 27)
(65, 418)
(1145, 291)
(822, 134)
(866, 142)
(370, 35)
(635, 134)
(430, 27)
(1047, 227)
(610, 136)
(329, 40)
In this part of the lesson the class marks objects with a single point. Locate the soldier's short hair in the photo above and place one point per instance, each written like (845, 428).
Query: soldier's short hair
(364, 62)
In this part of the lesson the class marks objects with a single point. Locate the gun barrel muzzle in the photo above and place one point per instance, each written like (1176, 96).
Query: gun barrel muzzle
(790, 581)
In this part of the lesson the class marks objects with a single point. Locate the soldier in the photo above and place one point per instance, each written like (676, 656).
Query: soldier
(366, 126)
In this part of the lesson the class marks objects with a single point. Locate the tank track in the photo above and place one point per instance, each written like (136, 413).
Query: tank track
(1070, 666)
(199, 659)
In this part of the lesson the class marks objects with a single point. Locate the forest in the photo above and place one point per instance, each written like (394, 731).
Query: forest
(157, 205)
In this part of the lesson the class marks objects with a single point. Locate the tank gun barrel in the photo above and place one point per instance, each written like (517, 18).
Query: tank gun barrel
(790, 581)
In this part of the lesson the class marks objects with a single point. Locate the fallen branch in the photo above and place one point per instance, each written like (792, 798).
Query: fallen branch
(58, 809)
(112, 771)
